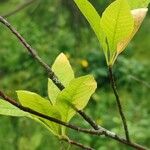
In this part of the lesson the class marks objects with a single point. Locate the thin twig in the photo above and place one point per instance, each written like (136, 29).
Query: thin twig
(140, 81)
(34, 54)
(77, 144)
(100, 132)
(51, 74)
(113, 84)
(87, 118)
(19, 8)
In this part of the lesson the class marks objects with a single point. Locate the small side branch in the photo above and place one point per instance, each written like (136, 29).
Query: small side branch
(19, 8)
(140, 81)
(77, 144)
(113, 84)
(88, 119)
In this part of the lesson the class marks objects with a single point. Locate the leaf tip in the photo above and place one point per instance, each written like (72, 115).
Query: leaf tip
(140, 12)
(61, 58)
(93, 83)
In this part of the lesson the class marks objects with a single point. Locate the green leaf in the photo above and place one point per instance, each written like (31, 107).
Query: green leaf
(138, 15)
(138, 3)
(76, 94)
(64, 72)
(10, 110)
(53, 91)
(63, 69)
(93, 18)
(117, 23)
(39, 104)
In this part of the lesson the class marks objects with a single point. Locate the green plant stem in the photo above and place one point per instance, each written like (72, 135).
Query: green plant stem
(113, 84)
(99, 132)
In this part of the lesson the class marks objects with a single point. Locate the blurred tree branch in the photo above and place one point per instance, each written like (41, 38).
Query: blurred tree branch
(18, 8)
(77, 144)
(140, 81)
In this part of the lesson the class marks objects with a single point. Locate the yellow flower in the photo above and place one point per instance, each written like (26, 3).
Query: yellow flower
(84, 63)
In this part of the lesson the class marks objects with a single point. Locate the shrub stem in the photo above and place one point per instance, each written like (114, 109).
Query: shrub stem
(113, 85)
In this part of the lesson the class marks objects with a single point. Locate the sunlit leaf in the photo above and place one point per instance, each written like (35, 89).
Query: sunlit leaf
(63, 69)
(93, 18)
(10, 110)
(117, 23)
(134, 4)
(76, 94)
(64, 72)
(39, 104)
(53, 91)
(138, 15)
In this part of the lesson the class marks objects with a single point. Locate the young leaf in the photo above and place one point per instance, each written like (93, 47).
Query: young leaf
(53, 91)
(63, 69)
(77, 94)
(37, 103)
(117, 23)
(138, 15)
(10, 110)
(64, 72)
(93, 18)
(134, 4)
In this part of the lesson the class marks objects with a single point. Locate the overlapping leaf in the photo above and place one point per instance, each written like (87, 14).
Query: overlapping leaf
(10, 110)
(81, 87)
(115, 26)
(93, 18)
(77, 95)
(134, 4)
(117, 23)
(37, 103)
(138, 15)
(64, 72)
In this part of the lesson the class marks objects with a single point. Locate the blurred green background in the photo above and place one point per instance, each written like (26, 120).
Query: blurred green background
(54, 26)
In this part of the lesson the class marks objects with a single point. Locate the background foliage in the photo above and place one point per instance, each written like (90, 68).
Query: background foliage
(52, 27)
